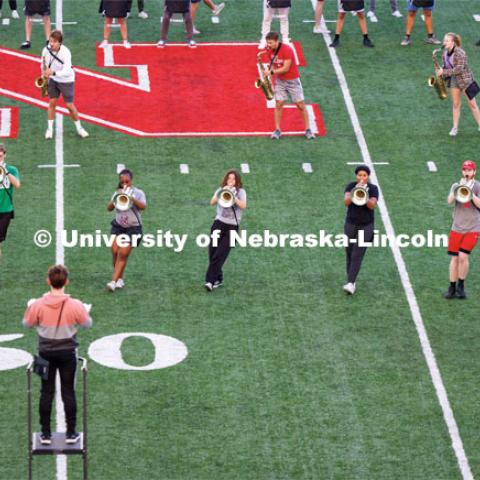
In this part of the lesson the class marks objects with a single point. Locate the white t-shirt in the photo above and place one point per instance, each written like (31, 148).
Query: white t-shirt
(64, 72)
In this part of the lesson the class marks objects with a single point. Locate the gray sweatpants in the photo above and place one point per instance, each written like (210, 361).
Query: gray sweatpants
(167, 15)
(373, 5)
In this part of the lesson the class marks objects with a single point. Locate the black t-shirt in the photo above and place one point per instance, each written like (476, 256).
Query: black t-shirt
(361, 215)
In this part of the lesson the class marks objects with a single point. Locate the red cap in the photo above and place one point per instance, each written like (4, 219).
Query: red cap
(468, 165)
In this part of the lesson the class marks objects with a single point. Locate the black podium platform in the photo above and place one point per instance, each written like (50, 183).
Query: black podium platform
(59, 446)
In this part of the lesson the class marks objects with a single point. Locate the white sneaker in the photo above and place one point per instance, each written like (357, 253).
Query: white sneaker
(453, 132)
(192, 44)
(82, 132)
(111, 286)
(397, 14)
(320, 29)
(127, 44)
(49, 134)
(103, 44)
(263, 44)
(120, 283)
(15, 14)
(373, 18)
(143, 15)
(161, 43)
(209, 286)
(349, 288)
(218, 9)
(195, 31)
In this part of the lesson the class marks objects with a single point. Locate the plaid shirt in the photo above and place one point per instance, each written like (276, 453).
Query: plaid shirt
(460, 70)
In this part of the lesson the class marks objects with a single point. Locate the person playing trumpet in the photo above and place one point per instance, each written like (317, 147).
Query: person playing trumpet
(128, 223)
(228, 218)
(465, 230)
(359, 223)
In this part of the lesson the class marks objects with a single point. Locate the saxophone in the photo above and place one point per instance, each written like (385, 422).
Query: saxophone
(264, 83)
(42, 81)
(438, 81)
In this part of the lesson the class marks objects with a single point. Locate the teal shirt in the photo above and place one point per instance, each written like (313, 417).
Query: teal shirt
(6, 188)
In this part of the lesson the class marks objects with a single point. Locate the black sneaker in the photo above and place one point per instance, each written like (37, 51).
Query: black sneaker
(25, 45)
(450, 293)
(309, 134)
(478, 44)
(45, 439)
(276, 135)
(367, 43)
(461, 292)
(335, 43)
(71, 438)
(217, 283)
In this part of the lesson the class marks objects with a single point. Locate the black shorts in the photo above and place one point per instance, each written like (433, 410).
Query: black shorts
(4, 223)
(37, 7)
(177, 6)
(115, 8)
(57, 88)
(129, 231)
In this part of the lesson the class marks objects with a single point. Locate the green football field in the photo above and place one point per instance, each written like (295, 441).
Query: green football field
(286, 377)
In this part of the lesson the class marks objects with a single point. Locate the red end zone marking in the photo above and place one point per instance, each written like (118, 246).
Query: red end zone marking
(8, 122)
(175, 91)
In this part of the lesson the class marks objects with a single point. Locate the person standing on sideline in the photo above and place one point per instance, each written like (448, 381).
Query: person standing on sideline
(464, 232)
(227, 219)
(216, 10)
(459, 78)
(128, 223)
(373, 5)
(9, 179)
(32, 8)
(56, 317)
(177, 6)
(284, 66)
(317, 28)
(412, 7)
(357, 6)
(56, 66)
(359, 224)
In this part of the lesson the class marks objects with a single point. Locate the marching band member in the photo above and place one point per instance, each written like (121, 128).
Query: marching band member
(412, 7)
(283, 9)
(118, 9)
(128, 223)
(464, 232)
(10, 180)
(57, 68)
(459, 78)
(359, 8)
(282, 64)
(227, 219)
(360, 218)
(32, 8)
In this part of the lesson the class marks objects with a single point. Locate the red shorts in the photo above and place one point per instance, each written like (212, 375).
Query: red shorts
(461, 242)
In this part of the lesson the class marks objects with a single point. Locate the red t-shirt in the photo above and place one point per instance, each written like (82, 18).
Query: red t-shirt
(285, 53)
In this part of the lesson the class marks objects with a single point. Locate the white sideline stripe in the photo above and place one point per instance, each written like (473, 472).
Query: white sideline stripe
(184, 168)
(61, 460)
(5, 122)
(431, 166)
(71, 165)
(120, 167)
(245, 168)
(6, 21)
(410, 294)
(476, 17)
(307, 167)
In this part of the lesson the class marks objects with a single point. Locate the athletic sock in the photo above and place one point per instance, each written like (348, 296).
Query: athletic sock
(452, 285)
(78, 125)
(50, 124)
(365, 36)
(430, 35)
(337, 37)
(460, 282)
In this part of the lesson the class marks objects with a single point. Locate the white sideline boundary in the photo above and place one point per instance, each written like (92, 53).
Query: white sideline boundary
(440, 390)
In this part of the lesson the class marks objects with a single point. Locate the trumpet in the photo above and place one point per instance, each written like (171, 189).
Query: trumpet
(437, 81)
(359, 195)
(3, 173)
(42, 81)
(123, 201)
(226, 197)
(264, 83)
(463, 193)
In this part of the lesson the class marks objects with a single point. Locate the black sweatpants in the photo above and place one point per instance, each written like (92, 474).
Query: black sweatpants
(354, 252)
(4, 223)
(66, 363)
(217, 255)
(12, 3)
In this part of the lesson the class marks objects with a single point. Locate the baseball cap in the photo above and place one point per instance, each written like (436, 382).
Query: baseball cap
(468, 165)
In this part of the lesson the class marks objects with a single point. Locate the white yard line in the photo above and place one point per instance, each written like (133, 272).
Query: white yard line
(448, 416)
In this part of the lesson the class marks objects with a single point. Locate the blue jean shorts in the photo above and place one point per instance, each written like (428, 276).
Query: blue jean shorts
(412, 8)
